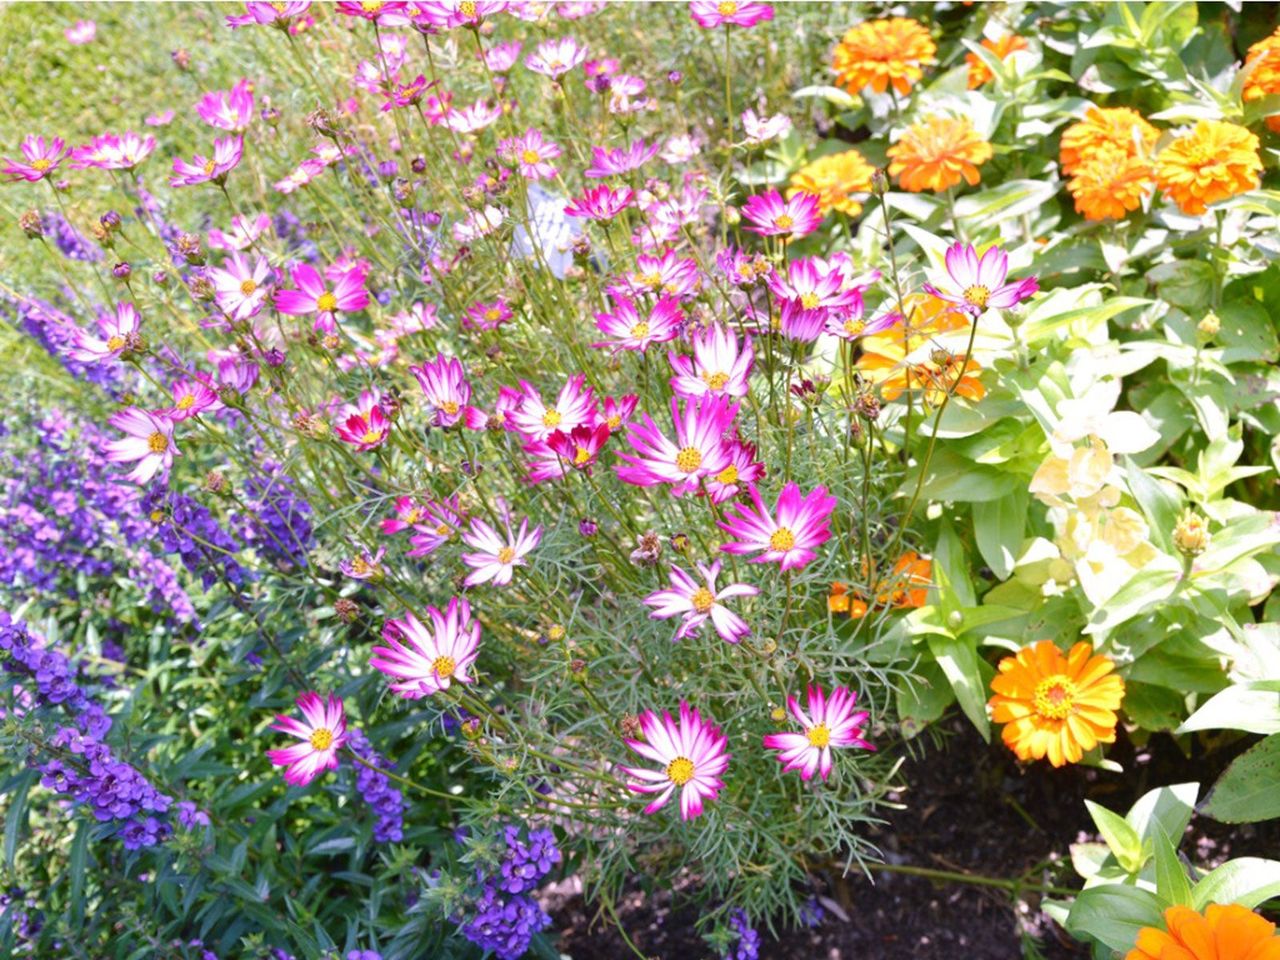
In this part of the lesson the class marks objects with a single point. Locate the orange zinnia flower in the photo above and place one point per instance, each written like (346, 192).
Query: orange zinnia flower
(1225, 932)
(1056, 706)
(979, 73)
(881, 52)
(1263, 64)
(937, 153)
(834, 179)
(1214, 161)
(884, 355)
(1110, 184)
(906, 588)
(1114, 127)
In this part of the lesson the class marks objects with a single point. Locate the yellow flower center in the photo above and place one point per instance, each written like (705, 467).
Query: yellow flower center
(326, 302)
(443, 530)
(157, 442)
(652, 280)
(371, 436)
(640, 330)
(728, 475)
(977, 295)
(715, 381)
(321, 738)
(809, 300)
(581, 456)
(248, 286)
(186, 402)
(782, 540)
(727, 8)
(530, 156)
(358, 566)
(702, 600)
(854, 327)
(467, 8)
(115, 343)
(157, 516)
(614, 422)
(449, 406)
(551, 419)
(680, 771)
(493, 314)
(688, 459)
(506, 555)
(208, 167)
(819, 736)
(443, 667)
(41, 164)
(371, 6)
(1055, 697)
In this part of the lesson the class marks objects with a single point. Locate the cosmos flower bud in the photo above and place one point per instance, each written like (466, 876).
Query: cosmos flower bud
(201, 288)
(879, 183)
(630, 727)
(404, 193)
(110, 220)
(215, 482)
(418, 164)
(102, 235)
(868, 406)
(1191, 534)
(348, 611)
(587, 527)
(648, 549)
(578, 668)
(555, 632)
(270, 116)
(387, 169)
(1208, 327)
(188, 247)
(181, 59)
(322, 123)
(680, 542)
(30, 224)
(777, 714)
(675, 78)
(122, 270)
(274, 357)
(160, 278)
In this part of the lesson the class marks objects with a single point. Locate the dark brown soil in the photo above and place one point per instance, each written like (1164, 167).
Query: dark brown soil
(970, 809)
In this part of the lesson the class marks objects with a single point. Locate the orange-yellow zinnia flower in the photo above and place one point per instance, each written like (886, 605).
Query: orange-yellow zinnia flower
(937, 153)
(1263, 64)
(884, 355)
(979, 72)
(906, 588)
(1113, 127)
(1110, 184)
(1225, 932)
(1214, 161)
(1055, 706)
(834, 180)
(881, 52)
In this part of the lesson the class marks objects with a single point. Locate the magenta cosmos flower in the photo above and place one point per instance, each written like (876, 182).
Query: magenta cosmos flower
(111, 152)
(228, 109)
(786, 536)
(117, 329)
(408, 94)
(719, 365)
(364, 424)
(243, 234)
(323, 732)
(827, 724)
(487, 316)
(497, 556)
(364, 566)
(191, 397)
(621, 160)
(240, 288)
(772, 216)
(447, 14)
(691, 757)
(226, 156)
(440, 520)
(669, 274)
(555, 58)
(81, 32)
(626, 329)
(600, 203)
(424, 661)
(266, 13)
(710, 14)
(148, 440)
(699, 449)
(39, 159)
(531, 154)
(698, 601)
(314, 295)
(444, 384)
(982, 281)
(534, 420)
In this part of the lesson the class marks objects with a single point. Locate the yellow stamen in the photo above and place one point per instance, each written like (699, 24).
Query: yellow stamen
(186, 402)
(784, 222)
(728, 475)
(248, 286)
(1055, 697)
(640, 331)
(530, 156)
(782, 540)
(819, 736)
(809, 300)
(157, 442)
(715, 381)
(688, 459)
(977, 295)
(551, 419)
(326, 302)
(506, 555)
(680, 771)
(443, 667)
(115, 343)
(321, 738)
(702, 600)
(727, 8)
(581, 456)
(450, 407)
(42, 164)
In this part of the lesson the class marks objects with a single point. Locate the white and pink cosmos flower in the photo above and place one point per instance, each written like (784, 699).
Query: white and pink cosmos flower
(40, 158)
(226, 157)
(148, 442)
(230, 110)
(239, 287)
(698, 451)
(364, 565)
(743, 468)
(81, 32)
(364, 424)
(497, 556)
(617, 412)
(697, 601)
(575, 406)
(444, 384)
(501, 57)
(600, 203)
(340, 293)
(666, 275)
(440, 520)
(772, 216)
(117, 329)
(788, 535)
(264, 13)
(620, 160)
(982, 281)
(555, 58)
(243, 233)
(720, 365)
(191, 397)
(448, 14)
(691, 756)
(425, 660)
(322, 732)
(710, 14)
(828, 724)
(627, 330)
(530, 153)
(110, 151)
(473, 117)
(761, 130)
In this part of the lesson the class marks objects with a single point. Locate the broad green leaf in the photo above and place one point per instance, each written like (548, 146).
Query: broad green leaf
(1172, 884)
(998, 527)
(1119, 835)
(959, 662)
(1146, 589)
(1247, 881)
(1249, 789)
(1159, 504)
(951, 477)
(1253, 706)
(1114, 914)
(923, 698)
(1165, 808)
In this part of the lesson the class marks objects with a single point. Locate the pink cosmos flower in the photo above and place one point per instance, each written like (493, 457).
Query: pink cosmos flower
(444, 384)
(761, 130)
(117, 330)
(598, 74)
(440, 520)
(981, 282)
(680, 149)
(849, 324)
(81, 32)
(299, 176)
(627, 331)
(788, 535)
(364, 424)
(497, 556)
(691, 755)
(273, 14)
(698, 450)
(228, 109)
(501, 57)
(380, 11)
(743, 469)
(408, 512)
(531, 154)
(148, 441)
(508, 401)
(39, 159)
(828, 724)
(425, 661)
(772, 216)
(191, 397)
(323, 732)
(581, 447)
(815, 284)
(617, 413)
(600, 203)
(364, 566)
(109, 151)
(243, 234)
(534, 420)
(710, 14)
(698, 601)
(626, 95)
(668, 274)
(241, 288)
(313, 295)
(448, 14)
(408, 94)
(719, 366)
(226, 156)
(161, 119)
(555, 58)
(743, 269)
(621, 160)
(474, 117)
(487, 316)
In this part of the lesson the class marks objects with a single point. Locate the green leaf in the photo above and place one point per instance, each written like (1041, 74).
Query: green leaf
(1119, 835)
(1249, 789)
(1159, 504)
(1114, 913)
(1172, 883)
(1151, 707)
(998, 527)
(1253, 706)
(952, 477)
(959, 662)
(1166, 808)
(16, 814)
(1146, 589)
(923, 698)
(78, 868)
(1247, 881)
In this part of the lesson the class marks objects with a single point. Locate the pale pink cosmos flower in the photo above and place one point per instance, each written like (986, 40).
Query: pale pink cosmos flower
(111, 151)
(243, 234)
(621, 160)
(391, 13)
(691, 756)
(666, 275)
(772, 216)
(762, 130)
(363, 424)
(448, 14)
(698, 450)
(828, 724)
(117, 330)
(697, 601)
(323, 732)
(497, 556)
(364, 566)
(501, 57)
(81, 32)
(148, 441)
(509, 400)
(407, 512)
(299, 176)
(680, 149)
(982, 281)
(230, 110)
(710, 14)
(226, 156)
(626, 95)
(444, 384)
(408, 94)
(600, 203)
(531, 154)
(617, 413)
(575, 405)
(627, 330)
(161, 119)
(440, 520)
(719, 366)
(424, 660)
(240, 288)
(788, 534)
(191, 397)
(743, 468)
(555, 58)
(314, 296)
(474, 117)
(490, 315)
(40, 158)
(479, 223)
(272, 14)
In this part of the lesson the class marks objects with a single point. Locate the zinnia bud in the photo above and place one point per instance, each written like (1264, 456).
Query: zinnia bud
(1191, 534)
(1208, 327)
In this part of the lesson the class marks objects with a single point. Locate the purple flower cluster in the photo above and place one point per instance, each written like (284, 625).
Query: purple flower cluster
(186, 527)
(294, 233)
(504, 918)
(56, 333)
(71, 243)
(527, 862)
(279, 523)
(748, 945)
(386, 801)
(54, 676)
